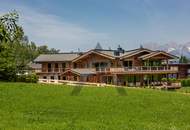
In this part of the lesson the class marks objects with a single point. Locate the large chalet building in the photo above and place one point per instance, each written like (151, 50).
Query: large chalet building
(136, 67)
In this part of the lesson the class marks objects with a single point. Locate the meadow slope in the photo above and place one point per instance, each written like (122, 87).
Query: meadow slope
(59, 107)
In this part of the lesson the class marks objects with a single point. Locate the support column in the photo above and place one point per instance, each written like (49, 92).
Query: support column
(141, 80)
(148, 80)
(167, 64)
(115, 79)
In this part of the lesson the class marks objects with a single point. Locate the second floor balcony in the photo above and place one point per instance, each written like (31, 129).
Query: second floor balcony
(51, 70)
(138, 70)
(117, 70)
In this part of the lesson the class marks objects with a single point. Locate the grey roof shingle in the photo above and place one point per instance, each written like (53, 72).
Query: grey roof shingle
(71, 56)
(111, 52)
(56, 57)
(156, 53)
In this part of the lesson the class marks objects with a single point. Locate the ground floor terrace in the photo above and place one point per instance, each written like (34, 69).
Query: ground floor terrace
(112, 79)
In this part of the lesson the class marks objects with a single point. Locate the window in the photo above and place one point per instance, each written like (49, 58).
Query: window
(100, 64)
(127, 63)
(63, 65)
(44, 77)
(59, 77)
(49, 67)
(52, 77)
(75, 78)
(56, 65)
(75, 65)
(64, 77)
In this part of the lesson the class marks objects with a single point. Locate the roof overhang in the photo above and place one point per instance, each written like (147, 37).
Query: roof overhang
(154, 54)
(135, 53)
(93, 52)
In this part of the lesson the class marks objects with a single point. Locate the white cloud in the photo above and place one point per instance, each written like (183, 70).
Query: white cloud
(53, 31)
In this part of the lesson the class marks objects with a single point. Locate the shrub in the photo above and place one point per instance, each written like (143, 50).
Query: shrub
(188, 82)
(185, 82)
(164, 79)
(172, 80)
(29, 78)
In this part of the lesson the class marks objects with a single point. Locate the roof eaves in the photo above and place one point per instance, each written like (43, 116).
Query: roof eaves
(135, 53)
(157, 53)
(93, 51)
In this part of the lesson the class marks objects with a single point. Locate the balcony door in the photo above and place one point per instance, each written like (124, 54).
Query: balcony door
(152, 63)
(100, 66)
(63, 67)
(56, 67)
(128, 63)
(49, 67)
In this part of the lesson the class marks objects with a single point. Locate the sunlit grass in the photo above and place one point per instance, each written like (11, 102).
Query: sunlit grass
(54, 107)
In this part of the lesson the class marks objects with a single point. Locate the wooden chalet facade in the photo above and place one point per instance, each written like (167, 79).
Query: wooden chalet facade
(119, 67)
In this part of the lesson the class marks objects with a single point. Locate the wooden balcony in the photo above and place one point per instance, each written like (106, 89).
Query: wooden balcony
(139, 70)
(51, 70)
(121, 70)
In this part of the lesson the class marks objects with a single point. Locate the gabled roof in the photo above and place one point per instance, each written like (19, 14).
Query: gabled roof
(135, 52)
(98, 52)
(110, 54)
(56, 57)
(155, 53)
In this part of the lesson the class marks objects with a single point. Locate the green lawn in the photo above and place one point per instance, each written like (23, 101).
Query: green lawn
(185, 90)
(58, 107)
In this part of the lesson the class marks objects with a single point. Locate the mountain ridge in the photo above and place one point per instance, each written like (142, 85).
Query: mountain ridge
(172, 48)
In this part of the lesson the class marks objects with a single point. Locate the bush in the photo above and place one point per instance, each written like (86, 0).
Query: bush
(185, 82)
(164, 79)
(172, 80)
(29, 78)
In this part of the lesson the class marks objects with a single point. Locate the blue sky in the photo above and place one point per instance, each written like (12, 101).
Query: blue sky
(72, 24)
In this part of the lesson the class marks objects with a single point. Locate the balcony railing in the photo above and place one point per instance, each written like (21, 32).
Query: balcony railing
(51, 70)
(114, 70)
(137, 69)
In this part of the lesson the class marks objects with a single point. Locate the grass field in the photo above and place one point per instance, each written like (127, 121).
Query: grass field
(185, 90)
(57, 107)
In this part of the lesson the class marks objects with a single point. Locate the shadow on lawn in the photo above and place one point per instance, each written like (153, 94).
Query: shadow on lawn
(121, 91)
(76, 90)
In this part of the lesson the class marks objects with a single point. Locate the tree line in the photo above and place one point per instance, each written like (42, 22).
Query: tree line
(16, 51)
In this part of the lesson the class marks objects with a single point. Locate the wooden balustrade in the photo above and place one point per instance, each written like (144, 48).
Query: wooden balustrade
(51, 70)
(113, 70)
(137, 69)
